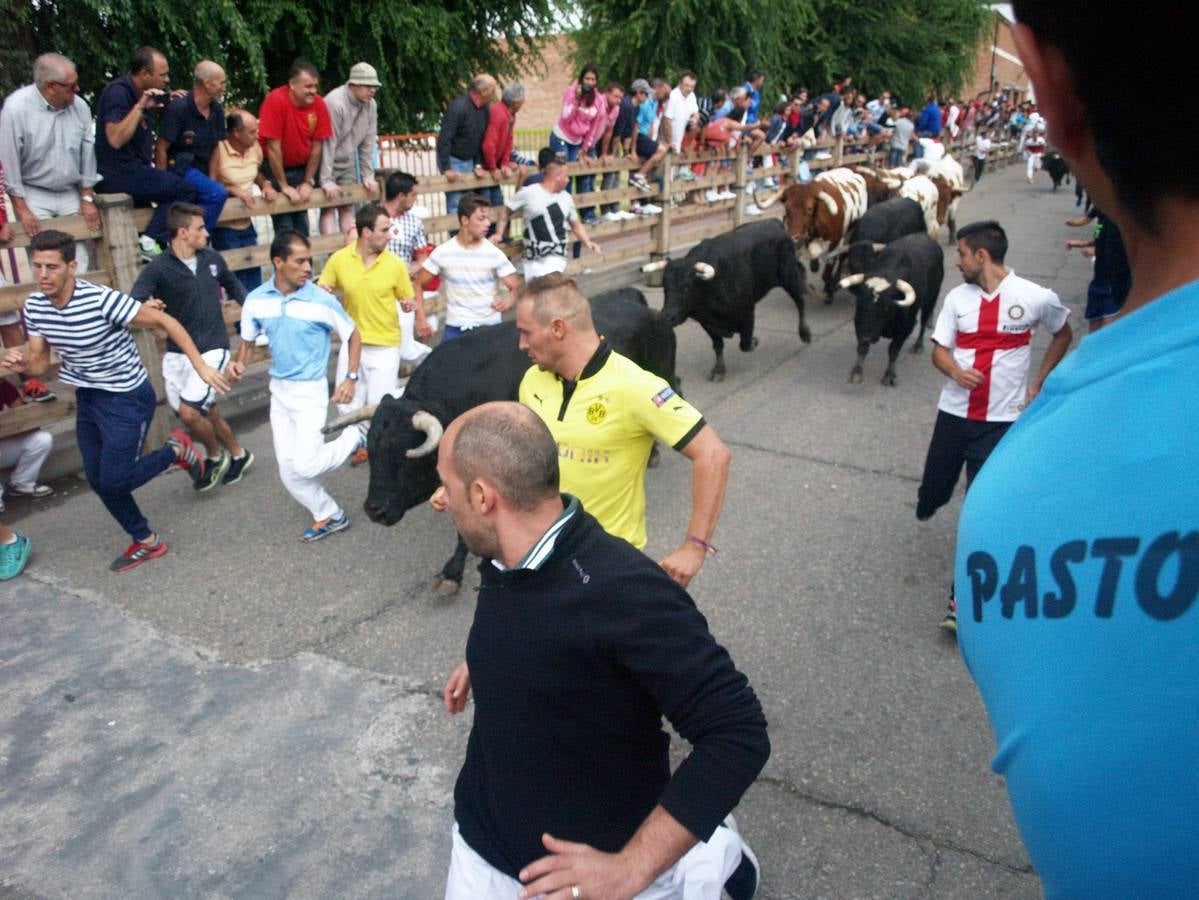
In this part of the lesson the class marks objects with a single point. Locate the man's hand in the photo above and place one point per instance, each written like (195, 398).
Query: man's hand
(247, 197)
(31, 222)
(345, 391)
(269, 193)
(234, 371)
(607, 159)
(593, 246)
(372, 186)
(290, 193)
(213, 378)
(502, 304)
(497, 174)
(480, 172)
(969, 378)
(154, 303)
(332, 191)
(496, 239)
(457, 689)
(596, 875)
(424, 329)
(91, 215)
(14, 359)
(683, 564)
(451, 175)
(305, 191)
(408, 305)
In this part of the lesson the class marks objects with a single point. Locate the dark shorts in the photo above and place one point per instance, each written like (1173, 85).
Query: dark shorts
(1101, 301)
(646, 147)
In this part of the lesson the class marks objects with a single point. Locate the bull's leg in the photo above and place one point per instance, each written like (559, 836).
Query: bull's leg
(892, 354)
(717, 373)
(748, 342)
(832, 275)
(952, 222)
(918, 347)
(791, 279)
(855, 374)
(449, 580)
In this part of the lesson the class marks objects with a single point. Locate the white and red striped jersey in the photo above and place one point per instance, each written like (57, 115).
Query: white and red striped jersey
(992, 335)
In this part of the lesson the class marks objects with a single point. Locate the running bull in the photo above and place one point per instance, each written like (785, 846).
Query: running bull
(722, 279)
(484, 364)
(904, 279)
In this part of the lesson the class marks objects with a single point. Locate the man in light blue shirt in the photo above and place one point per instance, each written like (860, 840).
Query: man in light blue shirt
(298, 319)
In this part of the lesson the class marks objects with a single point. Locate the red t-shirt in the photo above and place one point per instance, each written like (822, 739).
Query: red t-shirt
(296, 127)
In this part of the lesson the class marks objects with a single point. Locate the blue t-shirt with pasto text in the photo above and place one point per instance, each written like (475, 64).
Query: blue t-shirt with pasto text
(1077, 576)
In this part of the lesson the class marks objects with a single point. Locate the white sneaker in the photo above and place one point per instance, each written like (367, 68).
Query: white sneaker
(649, 209)
(749, 188)
(612, 217)
(727, 195)
(712, 195)
(626, 215)
(770, 183)
(754, 210)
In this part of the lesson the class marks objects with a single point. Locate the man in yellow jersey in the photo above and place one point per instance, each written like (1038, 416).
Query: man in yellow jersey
(605, 411)
(372, 284)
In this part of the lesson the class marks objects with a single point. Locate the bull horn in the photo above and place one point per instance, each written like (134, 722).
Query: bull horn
(362, 414)
(829, 202)
(428, 423)
(879, 248)
(656, 266)
(909, 293)
(852, 280)
(704, 272)
(765, 198)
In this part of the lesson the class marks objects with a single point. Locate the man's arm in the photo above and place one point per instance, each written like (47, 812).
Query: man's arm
(120, 133)
(310, 169)
(147, 317)
(449, 126)
(234, 289)
(274, 159)
(512, 284)
(501, 224)
(944, 361)
(345, 391)
(710, 460)
(580, 231)
(1053, 355)
(32, 360)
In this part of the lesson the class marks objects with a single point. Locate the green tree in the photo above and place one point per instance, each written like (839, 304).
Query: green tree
(424, 50)
(906, 46)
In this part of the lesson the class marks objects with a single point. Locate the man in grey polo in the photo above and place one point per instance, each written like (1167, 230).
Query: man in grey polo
(48, 150)
(349, 156)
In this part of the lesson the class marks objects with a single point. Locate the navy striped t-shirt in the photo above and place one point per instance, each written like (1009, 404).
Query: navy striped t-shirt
(91, 335)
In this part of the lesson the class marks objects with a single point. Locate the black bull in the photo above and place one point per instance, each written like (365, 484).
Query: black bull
(721, 280)
(483, 365)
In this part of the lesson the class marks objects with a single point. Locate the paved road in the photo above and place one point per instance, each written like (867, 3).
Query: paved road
(251, 717)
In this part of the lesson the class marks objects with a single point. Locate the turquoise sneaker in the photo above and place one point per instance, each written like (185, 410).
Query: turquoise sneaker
(13, 557)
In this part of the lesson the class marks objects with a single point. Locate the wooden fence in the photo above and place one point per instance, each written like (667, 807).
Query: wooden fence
(117, 262)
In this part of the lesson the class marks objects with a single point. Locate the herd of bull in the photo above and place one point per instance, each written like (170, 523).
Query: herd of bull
(875, 231)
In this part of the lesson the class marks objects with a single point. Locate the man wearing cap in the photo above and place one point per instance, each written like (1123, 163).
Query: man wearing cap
(349, 156)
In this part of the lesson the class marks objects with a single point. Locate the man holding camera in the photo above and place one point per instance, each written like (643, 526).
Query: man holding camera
(125, 144)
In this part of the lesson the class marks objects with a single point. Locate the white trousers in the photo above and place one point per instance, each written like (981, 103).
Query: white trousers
(412, 350)
(378, 375)
(48, 204)
(26, 453)
(299, 410)
(1034, 164)
(699, 875)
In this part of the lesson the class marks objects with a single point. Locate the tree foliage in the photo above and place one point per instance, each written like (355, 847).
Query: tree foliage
(905, 46)
(424, 50)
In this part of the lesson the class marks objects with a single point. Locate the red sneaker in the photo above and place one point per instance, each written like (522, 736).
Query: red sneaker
(34, 391)
(137, 554)
(188, 457)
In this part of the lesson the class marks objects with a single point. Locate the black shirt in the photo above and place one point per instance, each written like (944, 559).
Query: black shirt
(193, 137)
(462, 130)
(195, 300)
(625, 125)
(1111, 259)
(117, 98)
(573, 665)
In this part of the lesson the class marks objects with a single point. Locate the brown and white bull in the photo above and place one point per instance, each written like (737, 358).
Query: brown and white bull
(922, 189)
(946, 173)
(820, 214)
(881, 185)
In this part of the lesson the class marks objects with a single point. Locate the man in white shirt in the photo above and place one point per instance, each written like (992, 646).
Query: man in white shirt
(471, 268)
(982, 146)
(981, 342)
(682, 106)
(549, 212)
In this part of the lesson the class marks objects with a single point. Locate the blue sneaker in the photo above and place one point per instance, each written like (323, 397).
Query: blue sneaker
(321, 530)
(13, 557)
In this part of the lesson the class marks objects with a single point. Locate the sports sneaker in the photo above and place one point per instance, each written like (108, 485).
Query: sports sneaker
(237, 468)
(149, 248)
(626, 215)
(649, 209)
(359, 458)
(950, 622)
(187, 458)
(137, 553)
(214, 472)
(590, 218)
(638, 181)
(686, 175)
(743, 883)
(37, 491)
(712, 195)
(321, 530)
(14, 556)
(34, 391)
(727, 195)
(612, 217)
(752, 209)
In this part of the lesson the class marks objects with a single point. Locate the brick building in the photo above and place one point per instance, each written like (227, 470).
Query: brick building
(998, 67)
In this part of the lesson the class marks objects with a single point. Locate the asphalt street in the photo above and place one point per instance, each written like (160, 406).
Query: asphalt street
(254, 717)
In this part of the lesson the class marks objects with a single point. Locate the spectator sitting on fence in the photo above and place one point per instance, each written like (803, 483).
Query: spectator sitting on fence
(472, 268)
(124, 143)
(188, 279)
(24, 453)
(549, 212)
(48, 150)
(89, 325)
(188, 134)
(605, 148)
(349, 156)
(649, 149)
(460, 140)
(293, 125)
(237, 164)
(580, 123)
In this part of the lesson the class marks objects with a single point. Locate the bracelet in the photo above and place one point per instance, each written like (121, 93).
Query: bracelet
(700, 542)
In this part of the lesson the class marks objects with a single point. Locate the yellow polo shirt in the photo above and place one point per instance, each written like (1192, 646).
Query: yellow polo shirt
(370, 295)
(605, 430)
(239, 170)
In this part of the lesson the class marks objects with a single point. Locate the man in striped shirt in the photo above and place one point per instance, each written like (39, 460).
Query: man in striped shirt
(88, 324)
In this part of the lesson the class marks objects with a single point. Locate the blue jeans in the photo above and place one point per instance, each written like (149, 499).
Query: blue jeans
(110, 429)
(895, 158)
(212, 196)
(233, 239)
(452, 197)
(149, 185)
(289, 221)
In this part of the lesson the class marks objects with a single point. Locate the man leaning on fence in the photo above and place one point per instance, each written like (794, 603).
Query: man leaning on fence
(89, 326)
(348, 157)
(460, 141)
(238, 166)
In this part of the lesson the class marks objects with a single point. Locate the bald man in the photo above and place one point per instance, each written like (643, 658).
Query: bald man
(460, 140)
(237, 164)
(188, 134)
(580, 646)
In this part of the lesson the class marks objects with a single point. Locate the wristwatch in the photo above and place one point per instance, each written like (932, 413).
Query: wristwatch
(351, 376)
(87, 198)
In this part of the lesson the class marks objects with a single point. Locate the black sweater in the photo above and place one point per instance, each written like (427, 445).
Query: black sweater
(572, 666)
